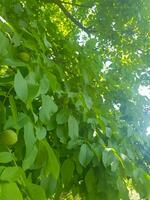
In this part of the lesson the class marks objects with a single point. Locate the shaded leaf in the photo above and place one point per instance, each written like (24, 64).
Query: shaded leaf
(73, 127)
(85, 155)
(52, 165)
(61, 134)
(44, 85)
(107, 157)
(124, 193)
(62, 116)
(67, 170)
(90, 180)
(2, 115)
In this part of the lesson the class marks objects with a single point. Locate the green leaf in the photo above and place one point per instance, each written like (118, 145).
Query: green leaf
(52, 165)
(107, 157)
(73, 127)
(97, 150)
(49, 184)
(1, 169)
(41, 157)
(31, 149)
(40, 132)
(110, 156)
(29, 137)
(44, 85)
(62, 116)
(85, 155)
(88, 101)
(11, 174)
(54, 85)
(67, 170)
(102, 124)
(141, 182)
(5, 157)
(22, 119)
(108, 132)
(2, 115)
(21, 88)
(32, 91)
(16, 39)
(79, 168)
(52, 123)
(48, 108)
(74, 143)
(90, 180)
(94, 79)
(53, 81)
(10, 191)
(30, 158)
(46, 42)
(61, 134)
(36, 192)
(4, 44)
(122, 189)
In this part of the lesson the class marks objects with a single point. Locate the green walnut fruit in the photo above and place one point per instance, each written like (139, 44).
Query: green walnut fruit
(8, 137)
(24, 56)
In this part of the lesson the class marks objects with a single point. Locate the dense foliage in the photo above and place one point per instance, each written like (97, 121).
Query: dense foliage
(69, 78)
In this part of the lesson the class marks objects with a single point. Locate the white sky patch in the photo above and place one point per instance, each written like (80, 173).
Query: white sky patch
(94, 133)
(103, 99)
(83, 38)
(144, 91)
(113, 26)
(2, 19)
(148, 131)
(146, 71)
(106, 66)
(117, 106)
(135, 36)
(138, 52)
(91, 11)
(5, 22)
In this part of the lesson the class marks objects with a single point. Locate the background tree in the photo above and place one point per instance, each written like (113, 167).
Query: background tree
(70, 73)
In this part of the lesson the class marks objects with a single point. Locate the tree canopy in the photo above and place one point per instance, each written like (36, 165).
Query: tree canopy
(69, 78)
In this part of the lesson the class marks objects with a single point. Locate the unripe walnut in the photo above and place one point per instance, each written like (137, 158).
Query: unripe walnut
(24, 56)
(8, 137)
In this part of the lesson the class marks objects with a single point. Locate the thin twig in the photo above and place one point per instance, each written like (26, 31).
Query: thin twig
(7, 95)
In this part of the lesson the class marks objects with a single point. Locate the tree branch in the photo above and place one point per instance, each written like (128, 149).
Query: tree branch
(68, 14)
